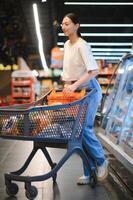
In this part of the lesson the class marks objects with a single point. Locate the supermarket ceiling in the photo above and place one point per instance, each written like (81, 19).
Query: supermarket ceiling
(106, 25)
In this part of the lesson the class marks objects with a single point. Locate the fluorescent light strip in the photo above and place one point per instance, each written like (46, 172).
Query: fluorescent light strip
(60, 43)
(99, 3)
(110, 44)
(108, 34)
(107, 54)
(106, 25)
(106, 58)
(110, 50)
(102, 44)
(103, 34)
(40, 42)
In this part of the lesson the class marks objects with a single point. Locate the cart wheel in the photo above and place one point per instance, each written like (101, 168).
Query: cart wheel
(93, 179)
(31, 192)
(55, 176)
(12, 189)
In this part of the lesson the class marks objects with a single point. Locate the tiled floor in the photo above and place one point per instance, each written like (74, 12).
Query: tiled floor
(14, 153)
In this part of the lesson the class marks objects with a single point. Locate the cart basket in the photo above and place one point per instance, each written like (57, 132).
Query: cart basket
(43, 123)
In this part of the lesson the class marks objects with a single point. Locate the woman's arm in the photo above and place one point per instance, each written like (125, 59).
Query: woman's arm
(87, 76)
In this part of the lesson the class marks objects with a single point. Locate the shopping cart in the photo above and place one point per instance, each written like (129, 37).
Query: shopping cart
(58, 126)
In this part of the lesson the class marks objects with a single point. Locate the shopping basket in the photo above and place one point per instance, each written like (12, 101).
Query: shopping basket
(58, 126)
(58, 97)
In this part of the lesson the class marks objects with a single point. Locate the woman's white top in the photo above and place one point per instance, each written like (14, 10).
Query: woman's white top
(78, 59)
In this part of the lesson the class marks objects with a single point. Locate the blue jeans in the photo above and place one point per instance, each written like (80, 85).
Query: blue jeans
(90, 140)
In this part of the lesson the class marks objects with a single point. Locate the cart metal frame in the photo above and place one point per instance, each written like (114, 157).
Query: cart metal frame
(71, 141)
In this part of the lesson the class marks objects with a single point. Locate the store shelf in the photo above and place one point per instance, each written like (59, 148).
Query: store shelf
(22, 90)
(22, 83)
(105, 75)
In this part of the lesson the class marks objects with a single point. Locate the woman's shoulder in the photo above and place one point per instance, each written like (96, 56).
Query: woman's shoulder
(83, 43)
(66, 43)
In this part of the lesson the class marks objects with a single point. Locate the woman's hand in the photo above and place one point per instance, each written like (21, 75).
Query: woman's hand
(68, 89)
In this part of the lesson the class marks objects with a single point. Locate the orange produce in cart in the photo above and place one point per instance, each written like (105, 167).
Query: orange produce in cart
(56, 97)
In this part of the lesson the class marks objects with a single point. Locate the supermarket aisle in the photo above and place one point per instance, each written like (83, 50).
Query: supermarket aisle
(12, 156)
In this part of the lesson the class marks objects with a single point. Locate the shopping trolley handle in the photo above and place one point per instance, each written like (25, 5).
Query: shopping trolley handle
(42, 99)
(25, 106)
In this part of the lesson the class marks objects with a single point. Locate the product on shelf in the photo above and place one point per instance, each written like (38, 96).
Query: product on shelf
(22, 87)
(5, 101)
(106, 70)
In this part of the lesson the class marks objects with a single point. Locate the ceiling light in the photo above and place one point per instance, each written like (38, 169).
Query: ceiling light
(107, 58)
(103, 34)
(107, 54)
(110, 44)
(40, 42)
(99, 3)
(108, 34)
(103, 43)
(106, 50)
(60, 43)
(106, 25)
(110, 49)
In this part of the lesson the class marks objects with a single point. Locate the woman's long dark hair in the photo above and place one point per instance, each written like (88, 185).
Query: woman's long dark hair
(74, 18)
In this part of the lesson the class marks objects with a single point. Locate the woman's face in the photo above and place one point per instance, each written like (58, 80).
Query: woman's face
(68, 27)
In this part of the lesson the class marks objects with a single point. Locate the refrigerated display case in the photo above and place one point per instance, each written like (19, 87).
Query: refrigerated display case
(117, 122)
(111, 96)
(126, 139)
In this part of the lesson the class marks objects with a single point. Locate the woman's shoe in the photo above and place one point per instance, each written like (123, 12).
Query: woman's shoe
(102, 171)
(83, 180)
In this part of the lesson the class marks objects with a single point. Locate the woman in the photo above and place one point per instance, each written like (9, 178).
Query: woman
(79, 71)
